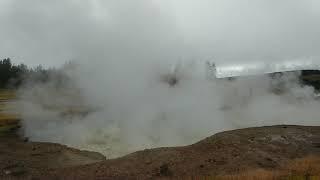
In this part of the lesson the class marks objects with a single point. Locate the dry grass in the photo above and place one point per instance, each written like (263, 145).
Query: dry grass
(7, 95)
(307, 168)
(315, 77)
(7, 121)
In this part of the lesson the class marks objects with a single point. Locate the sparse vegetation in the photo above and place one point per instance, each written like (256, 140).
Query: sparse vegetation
(307, 168)
(8, 122)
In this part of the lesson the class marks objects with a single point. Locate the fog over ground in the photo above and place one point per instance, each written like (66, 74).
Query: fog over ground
(125, 50)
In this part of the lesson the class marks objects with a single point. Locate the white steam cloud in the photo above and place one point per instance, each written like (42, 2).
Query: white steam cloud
(141, 68)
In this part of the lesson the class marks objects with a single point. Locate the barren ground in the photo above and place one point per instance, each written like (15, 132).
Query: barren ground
(221, 155)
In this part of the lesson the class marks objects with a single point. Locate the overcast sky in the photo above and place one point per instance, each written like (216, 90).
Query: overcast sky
(52, 32)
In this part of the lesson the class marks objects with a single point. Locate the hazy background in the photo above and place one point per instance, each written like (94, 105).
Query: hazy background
(125, 48)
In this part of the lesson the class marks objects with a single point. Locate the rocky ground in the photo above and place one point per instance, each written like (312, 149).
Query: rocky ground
(226, 153)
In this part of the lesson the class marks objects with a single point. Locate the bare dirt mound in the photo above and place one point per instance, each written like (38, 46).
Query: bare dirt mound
(232, 152)
(21, 159)
(224, 153)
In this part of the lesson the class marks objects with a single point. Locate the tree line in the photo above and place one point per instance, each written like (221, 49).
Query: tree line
(15, 75)
(11, 74)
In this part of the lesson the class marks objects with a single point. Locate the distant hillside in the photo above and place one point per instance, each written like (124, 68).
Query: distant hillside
(311, 77)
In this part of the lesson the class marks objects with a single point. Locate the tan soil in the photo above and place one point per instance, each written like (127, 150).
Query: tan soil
(229, 152)
(224, 153)
(20, 159)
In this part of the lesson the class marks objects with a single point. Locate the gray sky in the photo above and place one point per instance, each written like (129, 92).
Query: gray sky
(52, 32)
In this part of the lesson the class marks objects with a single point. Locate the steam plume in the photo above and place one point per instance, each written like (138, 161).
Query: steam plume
(142, 68)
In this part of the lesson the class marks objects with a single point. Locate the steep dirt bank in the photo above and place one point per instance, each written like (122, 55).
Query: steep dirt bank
(229, 152)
